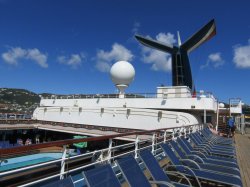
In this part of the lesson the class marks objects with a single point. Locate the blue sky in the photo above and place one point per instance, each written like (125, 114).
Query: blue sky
(68, 46)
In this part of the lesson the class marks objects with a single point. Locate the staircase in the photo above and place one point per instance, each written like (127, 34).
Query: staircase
(222, 125)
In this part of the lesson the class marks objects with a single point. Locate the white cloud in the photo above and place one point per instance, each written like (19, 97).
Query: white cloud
(166, 38)
(160, 61)
(215, 60)
(38, 57)
(74, 60)
(13, 55)
(106, 58)
(242, 56)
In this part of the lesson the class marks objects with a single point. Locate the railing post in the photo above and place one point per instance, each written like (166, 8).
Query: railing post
(109, 150)
(63, 162)
(205, 116)
(185, 132)
(153, 143)
(199, 128)
(242, 123)
(136, 146)
(173, 134)
(101, 156)
(180, 132)
(217, 117)
(165, 136)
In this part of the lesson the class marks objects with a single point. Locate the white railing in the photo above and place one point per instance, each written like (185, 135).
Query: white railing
(201, 94)
(15, 116)
(108, 155)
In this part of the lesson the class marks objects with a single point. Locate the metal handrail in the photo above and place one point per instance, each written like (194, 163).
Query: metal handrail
(127, 95)
(27, 148)
(104, 158)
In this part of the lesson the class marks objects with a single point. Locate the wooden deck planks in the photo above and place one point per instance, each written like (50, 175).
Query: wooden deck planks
(243, 156)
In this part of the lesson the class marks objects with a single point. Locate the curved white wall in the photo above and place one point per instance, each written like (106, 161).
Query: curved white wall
(119, 117)
(209, 104)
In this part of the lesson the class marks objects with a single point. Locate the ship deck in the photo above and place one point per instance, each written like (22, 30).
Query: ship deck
(243, 157)
(71, 130)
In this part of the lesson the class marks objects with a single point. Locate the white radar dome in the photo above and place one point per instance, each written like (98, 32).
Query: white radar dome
(122, 73)
(221, 105)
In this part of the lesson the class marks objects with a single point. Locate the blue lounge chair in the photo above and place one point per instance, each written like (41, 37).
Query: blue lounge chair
(215, 138)
(212, 145)
(200, 174)
(206, 155)
(102, 176)
(66, 182)
(155, 169)
(200, 142)
(204, 166)
(202, 158)
(210, 151)
(133, 173)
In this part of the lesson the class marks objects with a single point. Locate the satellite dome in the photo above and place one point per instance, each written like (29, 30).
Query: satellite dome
(122, 73)
(221, 105)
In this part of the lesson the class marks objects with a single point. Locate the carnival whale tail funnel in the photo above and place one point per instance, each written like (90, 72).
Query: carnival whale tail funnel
(181, 71)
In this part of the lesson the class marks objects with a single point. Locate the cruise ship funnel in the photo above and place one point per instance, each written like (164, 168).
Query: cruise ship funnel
(181, 71)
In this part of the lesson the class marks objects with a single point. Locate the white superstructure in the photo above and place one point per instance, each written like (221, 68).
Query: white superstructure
(169, 107)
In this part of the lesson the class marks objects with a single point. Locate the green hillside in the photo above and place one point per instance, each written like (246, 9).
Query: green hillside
(18, 100)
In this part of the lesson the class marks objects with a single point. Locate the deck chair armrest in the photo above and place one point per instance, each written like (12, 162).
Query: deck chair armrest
(206, 142)
(181, 174)
(199, 152)
(190, 161)
(162, 183)
(191, 172)
(204, 151)
(201, 147)
(196, 157)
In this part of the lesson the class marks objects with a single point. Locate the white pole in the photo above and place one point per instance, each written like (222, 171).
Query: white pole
(153, 143)
(173, 134)
(205, 116)
(109, 150)
(217, 116)
(229, 107)
(242, 123)
(136, 146)
(63, 162)
(165, 136)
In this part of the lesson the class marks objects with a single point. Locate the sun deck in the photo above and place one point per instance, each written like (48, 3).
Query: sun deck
(108, 156)
(243, 157)
(93, 131)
